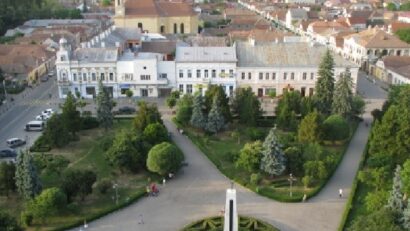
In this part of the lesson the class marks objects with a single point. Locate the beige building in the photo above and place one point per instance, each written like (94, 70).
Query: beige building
(156, 16)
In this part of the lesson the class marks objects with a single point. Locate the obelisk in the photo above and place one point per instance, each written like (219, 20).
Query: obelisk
(231, 213)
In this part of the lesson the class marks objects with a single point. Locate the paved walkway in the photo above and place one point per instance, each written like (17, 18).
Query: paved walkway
(199, 191)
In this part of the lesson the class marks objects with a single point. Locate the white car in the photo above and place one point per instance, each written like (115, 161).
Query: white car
(43, 117)
(47, 112)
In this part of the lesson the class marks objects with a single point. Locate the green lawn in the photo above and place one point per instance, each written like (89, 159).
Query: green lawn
(87, 153)
(222, 149)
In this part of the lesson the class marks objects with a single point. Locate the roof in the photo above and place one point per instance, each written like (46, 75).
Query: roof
(320, 26)
(298, 13)
(231, 12)
(163, 8)
(119, 35)
(376, 38)
(268, 35)
(206, 54)
(161, 47)
(283, 55)
(395, 26)
(96, 55)
(50, 22)
(207, 41)
(398, 64)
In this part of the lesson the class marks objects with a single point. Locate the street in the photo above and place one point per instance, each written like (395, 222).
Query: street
(25, 107)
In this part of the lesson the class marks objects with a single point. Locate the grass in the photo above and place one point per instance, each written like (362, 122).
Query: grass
(221, 150)
(87, 153)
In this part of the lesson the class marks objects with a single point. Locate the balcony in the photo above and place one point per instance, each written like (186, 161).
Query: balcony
(162, 81)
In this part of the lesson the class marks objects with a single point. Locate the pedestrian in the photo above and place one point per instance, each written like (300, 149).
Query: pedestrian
(304, 197)
(340, 193)
(141, 220)
(163, 181)
(148, 191)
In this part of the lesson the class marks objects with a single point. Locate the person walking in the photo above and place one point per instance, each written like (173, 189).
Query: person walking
(304, 197)
(141, 220)
(340, 193)
(163, 181)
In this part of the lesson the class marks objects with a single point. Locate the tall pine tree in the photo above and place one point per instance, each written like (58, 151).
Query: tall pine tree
(27, 181)
(343, 96)
(198, 118)
(216, 119)
(273, 159)
(104, 107)
(70, 116)
(325, 83)
(395, 202)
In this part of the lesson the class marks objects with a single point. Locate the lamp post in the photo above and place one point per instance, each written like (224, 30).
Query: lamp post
(115, 186)
(291, 179)
(5, 92)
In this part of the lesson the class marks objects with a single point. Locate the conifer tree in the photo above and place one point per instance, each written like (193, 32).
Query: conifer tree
(216, 119)
(70, 115)
(325, 83)
(309, 129)
(198, 118)
(343, 96)
(27, 181)
(395, 202)
(405, 219)
(104, 107)
(273, 159)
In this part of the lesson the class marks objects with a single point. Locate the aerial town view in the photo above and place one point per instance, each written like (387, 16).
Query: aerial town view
(205, 115)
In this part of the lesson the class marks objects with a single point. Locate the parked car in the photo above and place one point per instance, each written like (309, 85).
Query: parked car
(47, 112)
(15, 142)
(8, 152)
(44, 79)
(126, 110)
(43, 117)
(51, 74)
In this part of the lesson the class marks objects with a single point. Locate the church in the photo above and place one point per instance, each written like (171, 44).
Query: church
(156, 16)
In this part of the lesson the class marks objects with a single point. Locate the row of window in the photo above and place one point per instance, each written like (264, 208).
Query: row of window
(205, 73)
(272, 76)
(93, 77)
(187, 89)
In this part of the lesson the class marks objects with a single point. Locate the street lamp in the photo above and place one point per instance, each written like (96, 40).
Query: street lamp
(5, 92)
(291, 179)
(115, 186)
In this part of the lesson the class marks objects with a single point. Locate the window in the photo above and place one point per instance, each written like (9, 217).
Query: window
(145, 68)
(102, 77)
(249, 75)
(231, 73)
(175, 28)
(181, 74)
(145, 77)
(304, 75)
(260, 75)
(303, 91)
(273, 76)
(62, 58)
(84, 77)
(311, 90)
(285, 76)
(206, 73)
(243, 75)
(222, 73)
(267, 76)
(198, 73)
(189, 73)
(163, 76)
(213, 73)
(181, 88)
(181, 29)
(111, 76)
(127, 77)
(312, 76)
(292, 76)
(189, 88)
(74, 77)
(93, 77)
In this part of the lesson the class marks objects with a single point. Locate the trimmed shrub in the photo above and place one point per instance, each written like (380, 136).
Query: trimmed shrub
(336, 128)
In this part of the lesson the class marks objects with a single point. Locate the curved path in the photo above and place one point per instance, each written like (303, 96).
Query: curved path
(199, 192)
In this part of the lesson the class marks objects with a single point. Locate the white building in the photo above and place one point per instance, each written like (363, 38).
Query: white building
(197, 67)
(281, 67)
(295, 15)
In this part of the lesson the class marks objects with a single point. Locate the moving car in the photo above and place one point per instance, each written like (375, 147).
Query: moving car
(8, 152)
(35, 125)
(44, 79)
(42, 117)
(47, 112)
(15, 142)
(51, 74)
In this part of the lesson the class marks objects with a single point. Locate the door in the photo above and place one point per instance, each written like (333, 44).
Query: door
(144, 92)
(260, 92)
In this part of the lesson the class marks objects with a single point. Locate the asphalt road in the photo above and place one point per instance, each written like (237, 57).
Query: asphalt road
(25, 107)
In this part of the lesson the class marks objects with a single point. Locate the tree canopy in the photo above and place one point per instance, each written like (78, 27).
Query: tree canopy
(325, 83)
(164, 158)
(147, 114)
(247, 106)
(104, 107)
(343, 95)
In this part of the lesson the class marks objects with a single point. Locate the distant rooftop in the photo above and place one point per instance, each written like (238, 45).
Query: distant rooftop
(96, 55)
(205, 54)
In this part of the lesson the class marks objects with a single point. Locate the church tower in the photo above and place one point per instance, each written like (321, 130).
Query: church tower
(119, 8)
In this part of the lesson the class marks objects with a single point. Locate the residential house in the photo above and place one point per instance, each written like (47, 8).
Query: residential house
(404, 17)
(320, 31)
(294, 16)
(231, 13)
(392, 69)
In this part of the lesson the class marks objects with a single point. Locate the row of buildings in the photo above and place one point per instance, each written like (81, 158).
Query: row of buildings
(117, 58)
(359, 33)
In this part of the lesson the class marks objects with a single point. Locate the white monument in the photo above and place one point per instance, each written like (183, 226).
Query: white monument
(231, 213)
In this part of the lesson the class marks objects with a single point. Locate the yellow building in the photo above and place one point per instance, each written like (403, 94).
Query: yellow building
(156, 16)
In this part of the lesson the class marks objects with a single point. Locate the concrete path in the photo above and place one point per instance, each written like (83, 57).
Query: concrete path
(199, 191)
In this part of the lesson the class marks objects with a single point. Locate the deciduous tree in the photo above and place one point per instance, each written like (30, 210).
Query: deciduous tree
(7, 174)
(164, 158)
(309, 128)
(395, 202)
(155, 133)
(250, 156)
(247, 106)
(49, 202)
(147, 114)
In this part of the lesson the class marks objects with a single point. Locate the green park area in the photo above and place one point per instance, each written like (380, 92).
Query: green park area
(84, 167)
(217, 224)
(380, 198)
(286, 157)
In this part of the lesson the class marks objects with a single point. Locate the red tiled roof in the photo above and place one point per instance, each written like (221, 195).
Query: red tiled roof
(161, 8)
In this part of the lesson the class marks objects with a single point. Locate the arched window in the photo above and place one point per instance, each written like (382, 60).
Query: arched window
(175, 28)
(162, 29)
(140, 26)
(181, 28)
